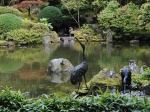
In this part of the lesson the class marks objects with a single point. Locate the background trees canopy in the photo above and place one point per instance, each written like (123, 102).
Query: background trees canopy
(123, 21)
(126, 18)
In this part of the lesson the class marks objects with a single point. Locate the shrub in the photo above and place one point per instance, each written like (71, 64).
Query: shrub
(27, 24)
(9, 22)
(30, 33)
(25, 36)
(123, 21)
(40, 27)
(45, 21)
(53, 14)
(146, 74)
(11, 10)
(144, 16)
(11, 101)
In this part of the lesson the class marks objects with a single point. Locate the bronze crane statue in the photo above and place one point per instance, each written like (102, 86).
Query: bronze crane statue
(126, 79)
(79, 70)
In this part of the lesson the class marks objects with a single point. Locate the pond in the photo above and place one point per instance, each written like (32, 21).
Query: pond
(25, 68)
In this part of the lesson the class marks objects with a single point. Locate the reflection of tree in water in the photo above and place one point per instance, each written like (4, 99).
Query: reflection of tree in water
(32, 71)
(8, 65)
(50, 48)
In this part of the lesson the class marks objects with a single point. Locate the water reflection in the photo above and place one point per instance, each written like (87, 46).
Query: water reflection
(25, 69)
(60, 77)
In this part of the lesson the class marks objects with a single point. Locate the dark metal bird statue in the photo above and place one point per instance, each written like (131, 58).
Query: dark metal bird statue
(79, 70)
(126, 79)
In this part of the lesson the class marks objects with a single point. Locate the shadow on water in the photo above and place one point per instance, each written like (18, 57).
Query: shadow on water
(25, 69)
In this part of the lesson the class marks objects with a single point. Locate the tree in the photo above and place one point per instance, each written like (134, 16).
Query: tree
(123, 21)
(98, 5)
(28, 4)
(73, 5)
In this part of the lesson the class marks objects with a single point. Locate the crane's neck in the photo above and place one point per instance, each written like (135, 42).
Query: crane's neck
(83, 47)
(84, 59)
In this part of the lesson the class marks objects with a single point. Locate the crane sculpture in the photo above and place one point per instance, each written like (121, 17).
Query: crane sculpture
(126, 79)
(79, 70)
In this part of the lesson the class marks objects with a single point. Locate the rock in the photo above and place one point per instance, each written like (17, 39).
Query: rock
(46, 40)
(143, 68)
(59, 70)
(109, 36)
(134, 42)
(106, 73)
(60, 65)
(54, 37)
(146, 89)
(103, 78)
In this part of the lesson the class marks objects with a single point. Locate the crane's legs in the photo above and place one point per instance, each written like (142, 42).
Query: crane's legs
(78, 87)
(85, 82)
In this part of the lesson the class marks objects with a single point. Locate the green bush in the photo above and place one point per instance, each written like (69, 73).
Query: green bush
(25, 36)
(9, 22)
(146, 74)
(53, 14)
(122, 21)
(40, 27)
(144, 15)
(27, 24)
(11, 101)
(30, 33)
(7, 9)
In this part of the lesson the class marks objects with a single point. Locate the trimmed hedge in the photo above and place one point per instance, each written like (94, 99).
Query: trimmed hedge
(9, 22)
(53, 14)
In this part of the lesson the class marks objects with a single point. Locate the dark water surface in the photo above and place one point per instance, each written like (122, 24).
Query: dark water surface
(25, 69)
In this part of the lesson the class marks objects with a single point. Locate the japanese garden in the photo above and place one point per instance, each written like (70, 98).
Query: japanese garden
(75, 55)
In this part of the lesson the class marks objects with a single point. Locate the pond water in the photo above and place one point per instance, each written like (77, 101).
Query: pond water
(25, 68)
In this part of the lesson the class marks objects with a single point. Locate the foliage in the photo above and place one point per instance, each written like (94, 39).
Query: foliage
(122, 21)
(86, 29)
(53, 14)
(74, 5)
(10, 100)
(98, 5)
(9, 22)
(27, 3)
(6, 9)
(30, 33)
(45, 21)
(108, 13)
(26, 36)
(14, 101)
(144, 14)
(27, 24)
(142, 78)
(146, 74)
(40, 27)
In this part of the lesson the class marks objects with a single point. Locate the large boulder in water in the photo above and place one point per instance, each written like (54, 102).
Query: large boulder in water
(60, 65)
(59, 70)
